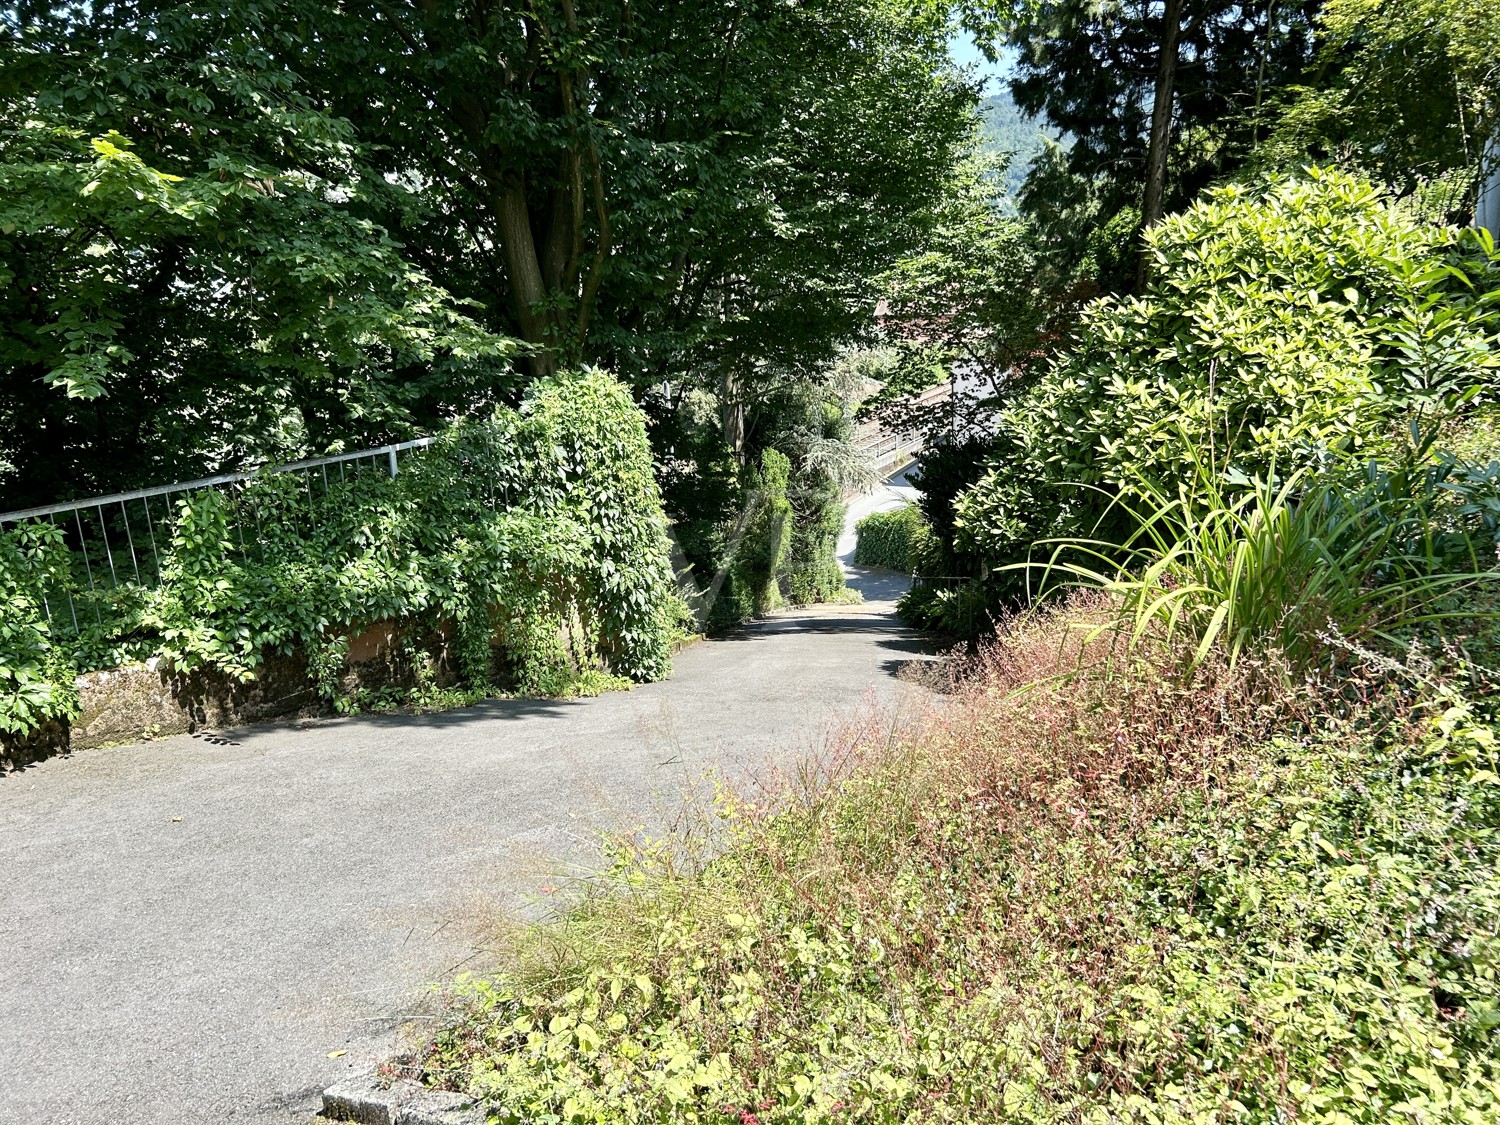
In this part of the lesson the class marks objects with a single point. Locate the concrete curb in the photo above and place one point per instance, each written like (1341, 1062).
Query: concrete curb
(365, 1101)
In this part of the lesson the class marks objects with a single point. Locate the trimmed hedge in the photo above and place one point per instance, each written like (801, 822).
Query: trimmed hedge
(893, 539)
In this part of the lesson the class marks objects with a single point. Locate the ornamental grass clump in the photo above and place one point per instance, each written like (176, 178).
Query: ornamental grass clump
(1087, 888)
(1236, 565)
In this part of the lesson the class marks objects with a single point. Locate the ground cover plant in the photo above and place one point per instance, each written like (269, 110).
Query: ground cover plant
(532, 540)
(1089, 889)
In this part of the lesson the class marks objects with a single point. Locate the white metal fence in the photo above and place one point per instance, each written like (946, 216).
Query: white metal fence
(119, 540)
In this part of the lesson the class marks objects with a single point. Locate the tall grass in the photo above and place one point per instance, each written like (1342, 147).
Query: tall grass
(1240, 564)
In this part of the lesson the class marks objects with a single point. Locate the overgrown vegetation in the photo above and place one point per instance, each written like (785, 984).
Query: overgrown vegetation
(527, 549)
(760, 563)
(1301, 565)
(234, 234)
(764, 532)
(1091, 889)
(1300, 330)
(1213, 841)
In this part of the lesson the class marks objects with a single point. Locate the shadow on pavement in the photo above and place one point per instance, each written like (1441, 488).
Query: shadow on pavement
(876, 585)
(794, 622)
(486, 710)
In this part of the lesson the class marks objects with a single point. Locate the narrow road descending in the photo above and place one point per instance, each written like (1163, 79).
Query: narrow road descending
(189, 929)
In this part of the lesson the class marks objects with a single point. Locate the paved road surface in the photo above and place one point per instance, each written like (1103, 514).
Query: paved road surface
(878, 585)
(188, 929)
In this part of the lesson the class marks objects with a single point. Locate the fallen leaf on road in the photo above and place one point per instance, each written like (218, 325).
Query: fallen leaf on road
(336, 1054)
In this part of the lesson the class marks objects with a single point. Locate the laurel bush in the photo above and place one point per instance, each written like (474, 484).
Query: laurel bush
(1290, 320)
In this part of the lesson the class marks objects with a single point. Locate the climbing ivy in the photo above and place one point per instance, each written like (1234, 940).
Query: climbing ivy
(35, 684)
(531, 544)
(758, 563)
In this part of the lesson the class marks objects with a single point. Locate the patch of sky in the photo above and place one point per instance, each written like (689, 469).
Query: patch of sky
(966, 53)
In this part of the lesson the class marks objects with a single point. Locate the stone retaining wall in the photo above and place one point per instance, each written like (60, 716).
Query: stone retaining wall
(140, 701)
(149, 700)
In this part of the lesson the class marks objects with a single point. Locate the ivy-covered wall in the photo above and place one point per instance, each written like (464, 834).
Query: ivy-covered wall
(533, 542)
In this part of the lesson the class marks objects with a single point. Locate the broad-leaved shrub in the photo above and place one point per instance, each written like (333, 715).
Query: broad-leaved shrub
(1307, 314)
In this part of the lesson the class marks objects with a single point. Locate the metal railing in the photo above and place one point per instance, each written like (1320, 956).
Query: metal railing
(117, 540)
(885, 445)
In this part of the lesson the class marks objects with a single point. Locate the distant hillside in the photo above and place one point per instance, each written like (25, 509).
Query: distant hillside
(1007, 129)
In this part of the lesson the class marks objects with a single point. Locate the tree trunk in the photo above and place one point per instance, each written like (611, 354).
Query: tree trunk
(732, 413)
(524, 272)
(1161, 131)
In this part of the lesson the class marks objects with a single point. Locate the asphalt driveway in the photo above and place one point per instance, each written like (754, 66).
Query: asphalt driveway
(189, 929)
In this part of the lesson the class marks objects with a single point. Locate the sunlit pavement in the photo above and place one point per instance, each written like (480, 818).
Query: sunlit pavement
(193, 931)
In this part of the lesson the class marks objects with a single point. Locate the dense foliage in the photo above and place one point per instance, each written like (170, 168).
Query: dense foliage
(761, 558)
(242, 233)
(1159, 100)
(531, 546)
(36, 676)
(1090, 891)
(1406, 89)
(723, 511)
(976, 307)
(1217, 845)
(1306, 319)
(1305, 565)
(256, 231)
(898, 539)
(1093, 70)
(192, 275)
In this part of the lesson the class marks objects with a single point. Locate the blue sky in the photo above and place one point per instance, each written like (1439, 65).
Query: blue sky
(962, 48)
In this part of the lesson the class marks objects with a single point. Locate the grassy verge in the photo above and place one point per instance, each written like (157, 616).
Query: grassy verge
(1088, 889)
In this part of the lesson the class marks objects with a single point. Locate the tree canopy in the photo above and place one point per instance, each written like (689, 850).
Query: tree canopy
(1406, 88)
(245, 230)
(193, 273)
(1163, 98)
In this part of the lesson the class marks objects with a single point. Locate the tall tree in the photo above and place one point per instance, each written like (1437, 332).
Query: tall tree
(1158, 96)
(658, 187)
(191, 273)
(1406, 89)
(694, 193)
(978, 308)
(1162, 103)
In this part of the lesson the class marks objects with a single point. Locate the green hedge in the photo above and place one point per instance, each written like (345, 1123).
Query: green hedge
(894, 539)
(538, 531)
